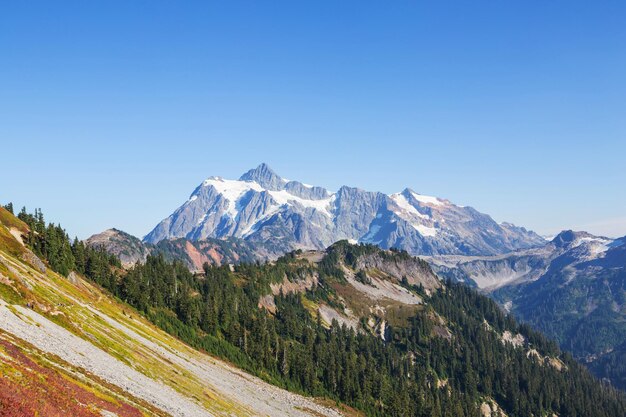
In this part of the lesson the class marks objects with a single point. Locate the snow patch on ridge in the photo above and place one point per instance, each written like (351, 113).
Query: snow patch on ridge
(408, 212)
(596, 245)
(404, 204)
(284, 197)
(425, 230)
(232, 190)
(427, 199)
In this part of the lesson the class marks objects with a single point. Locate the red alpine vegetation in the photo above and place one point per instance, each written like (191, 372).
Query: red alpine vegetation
(28, 389)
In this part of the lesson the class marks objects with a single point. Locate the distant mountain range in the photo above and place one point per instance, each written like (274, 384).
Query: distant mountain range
(264, 208)
(573, 289)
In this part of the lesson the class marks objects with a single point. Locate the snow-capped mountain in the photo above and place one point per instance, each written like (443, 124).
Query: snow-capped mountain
(263, 207)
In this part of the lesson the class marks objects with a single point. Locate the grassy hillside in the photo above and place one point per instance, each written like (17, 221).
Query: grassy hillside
(69, 348)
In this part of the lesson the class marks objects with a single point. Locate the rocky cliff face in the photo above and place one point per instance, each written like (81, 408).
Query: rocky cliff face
(194, 253)
(366, 288)
(127, 248)
(263, 208)
(415, 271)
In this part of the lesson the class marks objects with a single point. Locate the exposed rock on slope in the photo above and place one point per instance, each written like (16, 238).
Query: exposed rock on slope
(263, 208)
(212, 251)
(374, 288)
(127, 248)
(194, 254)
(415, 271)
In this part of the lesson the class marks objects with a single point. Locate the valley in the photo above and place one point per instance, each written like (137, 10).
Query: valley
(573, 289)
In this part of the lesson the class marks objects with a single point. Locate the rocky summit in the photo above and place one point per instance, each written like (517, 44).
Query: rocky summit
(262, 207)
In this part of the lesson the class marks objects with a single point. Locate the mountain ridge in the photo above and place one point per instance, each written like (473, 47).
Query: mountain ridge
(194, 254)
(262, 207)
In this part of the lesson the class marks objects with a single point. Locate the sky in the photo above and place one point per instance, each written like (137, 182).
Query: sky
(111, 113)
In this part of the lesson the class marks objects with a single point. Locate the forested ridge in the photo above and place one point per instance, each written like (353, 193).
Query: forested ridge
(415, 371)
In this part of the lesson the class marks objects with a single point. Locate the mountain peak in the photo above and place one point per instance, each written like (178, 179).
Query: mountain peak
(569, 238)
(411, 195)
(564, 238)
(262, 204)
(265, 177)
(126, 247)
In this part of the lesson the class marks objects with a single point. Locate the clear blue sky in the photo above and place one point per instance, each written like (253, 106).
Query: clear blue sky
(112, 112)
